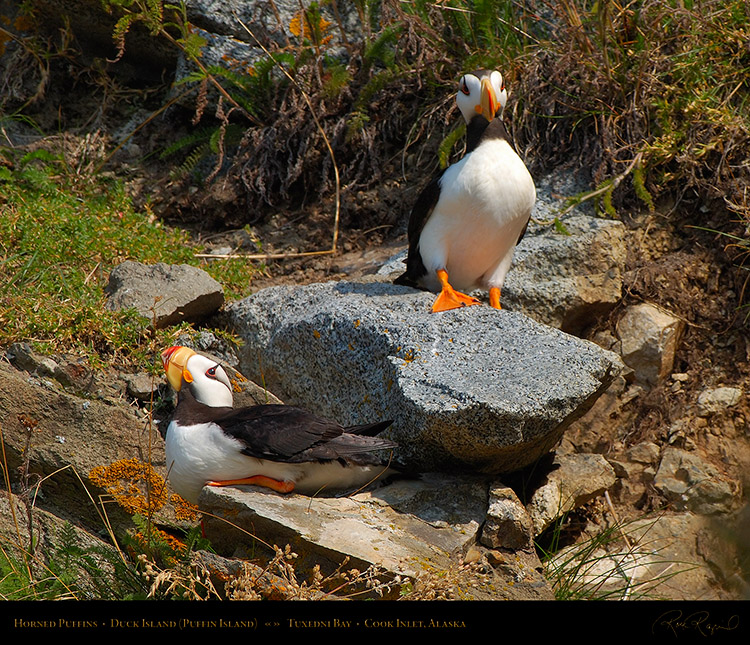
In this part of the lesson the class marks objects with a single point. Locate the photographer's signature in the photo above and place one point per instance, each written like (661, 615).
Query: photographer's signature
(678, 623)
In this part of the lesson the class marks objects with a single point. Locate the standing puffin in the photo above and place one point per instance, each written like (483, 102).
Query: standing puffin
(466, 223)
(281, 447)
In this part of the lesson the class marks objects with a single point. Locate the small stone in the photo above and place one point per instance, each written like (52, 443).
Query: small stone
(645, 452)
(717, 399)
(577, 479)
(141, 386)
(164, 294)
(472, 555)
(23, 357)
(650, 337)
(508, 524)
(691, 483)
(46, 367)
(74, 374)
(495, 558)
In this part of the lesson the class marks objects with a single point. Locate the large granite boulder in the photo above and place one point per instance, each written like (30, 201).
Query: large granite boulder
(567, 277)
(474, 389)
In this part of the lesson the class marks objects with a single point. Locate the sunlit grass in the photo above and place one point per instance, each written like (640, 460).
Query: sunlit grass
(58, 242)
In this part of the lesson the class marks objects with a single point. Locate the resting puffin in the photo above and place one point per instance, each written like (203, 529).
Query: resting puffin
(466, 223)
(281, 447)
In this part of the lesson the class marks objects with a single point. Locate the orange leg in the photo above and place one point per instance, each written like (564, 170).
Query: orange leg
(258, 480)
(495, 297)
(449, 298)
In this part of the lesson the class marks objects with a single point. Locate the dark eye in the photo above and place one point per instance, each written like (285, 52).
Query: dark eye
(464, 86)
(211, 371)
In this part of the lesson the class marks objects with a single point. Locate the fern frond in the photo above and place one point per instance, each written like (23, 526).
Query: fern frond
(446, 145)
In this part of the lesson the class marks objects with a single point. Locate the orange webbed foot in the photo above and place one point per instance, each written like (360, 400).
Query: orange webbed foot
(449, 298)
(257, 480)
(495, 298)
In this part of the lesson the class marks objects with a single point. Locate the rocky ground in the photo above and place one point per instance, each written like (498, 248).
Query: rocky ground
(676, 435)
(670, 430)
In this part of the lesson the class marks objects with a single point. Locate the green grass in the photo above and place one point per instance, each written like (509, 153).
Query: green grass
(60, 236)
(616, 562)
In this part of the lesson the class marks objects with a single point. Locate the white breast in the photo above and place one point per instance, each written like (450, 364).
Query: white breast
(485, 201)
(200, 453)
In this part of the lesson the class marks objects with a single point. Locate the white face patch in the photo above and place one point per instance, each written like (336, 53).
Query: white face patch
(496, 78)
(210, 385)
(469, 95)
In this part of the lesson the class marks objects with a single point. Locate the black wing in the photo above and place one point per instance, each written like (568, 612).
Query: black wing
(420, 213)
(286, 433)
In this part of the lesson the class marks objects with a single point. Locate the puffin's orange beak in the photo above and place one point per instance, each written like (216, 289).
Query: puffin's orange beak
(175, 360)
(489, 102)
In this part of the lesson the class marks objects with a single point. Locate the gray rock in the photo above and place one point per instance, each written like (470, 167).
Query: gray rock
(645, 452)
(23, 357)
(72, 373)
(406, 532)
(568, 280)
(142, 386)
(165, 294)
(75, 374)
(230, 28)
(557, 194)
(394, 266)
(650, 337)
(476, 389)
(691, 483)
(399, 527)
(269, 22)
(575, 480)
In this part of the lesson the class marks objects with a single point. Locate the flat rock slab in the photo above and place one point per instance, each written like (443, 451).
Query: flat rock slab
(408, 530)
(166, 294)
(473, 389)
(391, 527)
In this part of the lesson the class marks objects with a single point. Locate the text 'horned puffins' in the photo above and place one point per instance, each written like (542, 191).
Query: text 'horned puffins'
(208, 442)
(466, 223)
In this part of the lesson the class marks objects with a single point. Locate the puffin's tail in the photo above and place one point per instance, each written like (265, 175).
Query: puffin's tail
(405, 280)
(369, 429)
